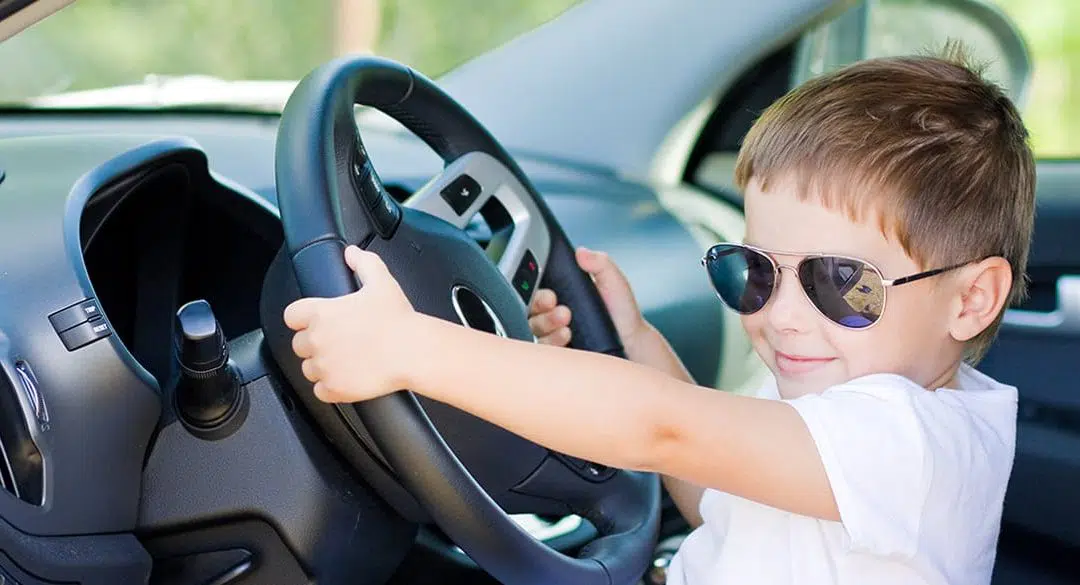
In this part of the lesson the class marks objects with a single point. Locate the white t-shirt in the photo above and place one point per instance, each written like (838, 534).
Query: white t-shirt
(919, 478)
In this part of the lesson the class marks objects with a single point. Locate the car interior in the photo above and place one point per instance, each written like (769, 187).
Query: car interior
(155, 427)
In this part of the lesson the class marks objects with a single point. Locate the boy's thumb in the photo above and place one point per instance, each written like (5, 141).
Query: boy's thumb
(600, 267)
(369, 268)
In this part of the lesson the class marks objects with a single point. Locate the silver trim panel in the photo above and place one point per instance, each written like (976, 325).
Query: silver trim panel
(496, 181)
(1064, 320)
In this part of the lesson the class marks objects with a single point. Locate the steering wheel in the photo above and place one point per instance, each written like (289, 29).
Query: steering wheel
(330, 196)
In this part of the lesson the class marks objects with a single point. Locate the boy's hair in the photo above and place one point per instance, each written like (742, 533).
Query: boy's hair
(936, 152)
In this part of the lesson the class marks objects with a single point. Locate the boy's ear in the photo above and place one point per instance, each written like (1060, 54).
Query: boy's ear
(982, 291)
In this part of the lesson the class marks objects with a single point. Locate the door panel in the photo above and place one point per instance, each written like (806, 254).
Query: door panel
(1038, 351)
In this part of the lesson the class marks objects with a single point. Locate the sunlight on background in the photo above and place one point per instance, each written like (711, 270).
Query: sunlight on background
(1051, 29)
(100, 43)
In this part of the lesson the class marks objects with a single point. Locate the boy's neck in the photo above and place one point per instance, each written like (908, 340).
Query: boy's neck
(948, 379)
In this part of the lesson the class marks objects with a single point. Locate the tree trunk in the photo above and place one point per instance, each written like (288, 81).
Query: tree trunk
(357, 26)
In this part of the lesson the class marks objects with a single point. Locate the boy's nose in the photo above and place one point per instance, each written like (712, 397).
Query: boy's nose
(789, 309)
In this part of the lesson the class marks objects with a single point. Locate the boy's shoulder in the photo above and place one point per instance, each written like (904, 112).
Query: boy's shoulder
(972, 385)
(898, 458)
(940, 423)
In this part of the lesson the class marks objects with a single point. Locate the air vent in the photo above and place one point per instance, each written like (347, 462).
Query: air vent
(7, 479)
(21, 469)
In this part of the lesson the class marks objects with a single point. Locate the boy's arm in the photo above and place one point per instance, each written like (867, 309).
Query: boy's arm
(687, 498)
(643, 343)
(650, 421)
(650, 348)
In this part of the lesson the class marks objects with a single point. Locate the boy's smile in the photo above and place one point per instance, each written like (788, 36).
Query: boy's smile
(808, 353)
(795, 364)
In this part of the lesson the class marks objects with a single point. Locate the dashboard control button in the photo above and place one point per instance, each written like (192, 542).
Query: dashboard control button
(528, 265)
(597, 471)
(74, 315)
(587, 469)
(525, 278)
(574, 462)
(461, 193)
(368, 187)
(85, 333)
(386, 215)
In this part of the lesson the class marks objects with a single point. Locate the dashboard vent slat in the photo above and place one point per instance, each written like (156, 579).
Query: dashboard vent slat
(21, 467)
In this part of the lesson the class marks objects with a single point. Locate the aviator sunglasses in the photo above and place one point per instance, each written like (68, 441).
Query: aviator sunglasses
(847, 291)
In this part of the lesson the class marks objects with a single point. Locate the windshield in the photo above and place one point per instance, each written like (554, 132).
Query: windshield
(95, 44)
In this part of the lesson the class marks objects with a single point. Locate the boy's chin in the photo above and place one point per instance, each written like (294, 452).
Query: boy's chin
(790, 387)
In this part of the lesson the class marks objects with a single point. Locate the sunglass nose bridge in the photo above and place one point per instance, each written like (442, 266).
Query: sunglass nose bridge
(780, 268)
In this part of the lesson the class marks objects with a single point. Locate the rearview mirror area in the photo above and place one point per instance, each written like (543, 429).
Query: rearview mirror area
(881, 28)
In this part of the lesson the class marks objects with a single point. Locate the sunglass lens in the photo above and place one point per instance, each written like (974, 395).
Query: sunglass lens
(846, 291)
(743, 278)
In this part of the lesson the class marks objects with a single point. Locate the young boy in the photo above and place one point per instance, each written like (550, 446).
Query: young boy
(889, 208)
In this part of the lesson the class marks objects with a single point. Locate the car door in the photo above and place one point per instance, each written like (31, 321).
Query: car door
(1038, 350)
(1032, 49)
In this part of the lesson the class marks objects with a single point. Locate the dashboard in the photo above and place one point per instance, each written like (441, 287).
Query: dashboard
(597, 209)
(111, 221)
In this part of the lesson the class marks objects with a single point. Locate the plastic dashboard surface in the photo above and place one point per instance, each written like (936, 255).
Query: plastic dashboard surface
(597, 209)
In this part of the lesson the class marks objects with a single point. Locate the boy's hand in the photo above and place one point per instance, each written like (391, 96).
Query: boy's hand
(351, 345)
(550, 321)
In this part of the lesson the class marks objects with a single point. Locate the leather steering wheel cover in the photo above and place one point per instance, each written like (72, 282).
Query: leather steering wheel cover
(316, 138)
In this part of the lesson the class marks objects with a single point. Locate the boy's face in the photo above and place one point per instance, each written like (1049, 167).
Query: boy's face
(806, 351)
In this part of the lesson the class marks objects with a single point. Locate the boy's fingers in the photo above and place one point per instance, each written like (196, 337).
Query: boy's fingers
(311, 370)
(298, 314)
(606, 274)
(543, 301)
(536, 325)
(327, 394)
(545, 323)
(301, 345)
(558, 338)
(322, 393)
(369, 268)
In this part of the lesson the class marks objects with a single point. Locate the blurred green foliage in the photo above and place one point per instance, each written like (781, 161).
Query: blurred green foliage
(1051, 29)
(98, 43)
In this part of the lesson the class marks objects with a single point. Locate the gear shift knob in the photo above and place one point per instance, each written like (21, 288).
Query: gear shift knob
(202, 343)
(208, 395)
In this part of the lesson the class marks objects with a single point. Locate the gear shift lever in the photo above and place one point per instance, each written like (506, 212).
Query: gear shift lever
(209, 399)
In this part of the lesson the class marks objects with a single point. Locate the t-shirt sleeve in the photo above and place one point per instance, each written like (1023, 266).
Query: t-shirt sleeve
(876, 458)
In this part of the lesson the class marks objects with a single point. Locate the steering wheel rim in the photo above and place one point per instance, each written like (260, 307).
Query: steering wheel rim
(329, 195)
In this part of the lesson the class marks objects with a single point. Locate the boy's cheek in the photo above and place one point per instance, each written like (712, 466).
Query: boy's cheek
(752, 325)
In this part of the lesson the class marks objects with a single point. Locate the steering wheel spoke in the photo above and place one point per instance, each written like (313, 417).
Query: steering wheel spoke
(605, 498)
(478, 184)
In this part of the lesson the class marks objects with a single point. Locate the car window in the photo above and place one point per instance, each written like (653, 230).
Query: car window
(1049, 95)
(95, 44)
